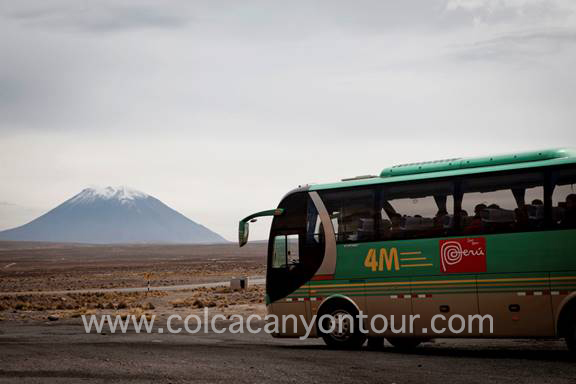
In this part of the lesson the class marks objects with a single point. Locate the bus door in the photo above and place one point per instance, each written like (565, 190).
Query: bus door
(295, 252)
(286, 252)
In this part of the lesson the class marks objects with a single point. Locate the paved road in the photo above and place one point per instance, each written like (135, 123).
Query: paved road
(61, 352)
(256, 280)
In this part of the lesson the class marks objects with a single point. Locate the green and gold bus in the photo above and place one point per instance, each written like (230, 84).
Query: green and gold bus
(481, 236)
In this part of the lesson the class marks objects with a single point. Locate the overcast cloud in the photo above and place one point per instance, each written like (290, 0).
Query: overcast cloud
(220, 107)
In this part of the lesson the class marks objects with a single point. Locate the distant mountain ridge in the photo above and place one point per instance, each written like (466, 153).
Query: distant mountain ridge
(113, 215)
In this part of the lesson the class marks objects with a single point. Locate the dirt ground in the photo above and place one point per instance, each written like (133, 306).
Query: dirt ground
(62, 352)
(47, 267)
(29, 267)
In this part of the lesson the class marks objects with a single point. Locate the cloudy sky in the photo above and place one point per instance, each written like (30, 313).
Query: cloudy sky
(220, 107)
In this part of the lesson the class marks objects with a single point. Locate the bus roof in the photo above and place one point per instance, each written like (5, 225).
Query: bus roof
(458, 167)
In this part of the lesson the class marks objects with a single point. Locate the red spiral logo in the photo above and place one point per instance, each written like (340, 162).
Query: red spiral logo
(450, 254)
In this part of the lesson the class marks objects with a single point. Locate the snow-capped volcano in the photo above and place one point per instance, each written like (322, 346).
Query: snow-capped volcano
(121, 193)
(113, 215)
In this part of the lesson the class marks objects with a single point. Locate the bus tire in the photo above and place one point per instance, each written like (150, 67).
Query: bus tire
(567, 325)
(404, 343)
(351, 337)
(570, 337)
(375, 343)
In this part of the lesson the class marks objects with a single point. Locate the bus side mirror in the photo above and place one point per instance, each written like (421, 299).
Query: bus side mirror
(243, 226)
(243, 232)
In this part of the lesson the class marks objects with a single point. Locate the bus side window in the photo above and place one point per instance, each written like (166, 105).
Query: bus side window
(293, 254)
(502, 203)
(564, 199)
(416, 210)
(286, 251)
(280, 252)
(352, 214)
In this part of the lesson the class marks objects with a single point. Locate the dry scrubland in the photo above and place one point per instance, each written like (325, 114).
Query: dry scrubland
(28, 267)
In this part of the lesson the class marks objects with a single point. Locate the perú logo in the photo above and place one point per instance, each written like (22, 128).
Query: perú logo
(463, 255)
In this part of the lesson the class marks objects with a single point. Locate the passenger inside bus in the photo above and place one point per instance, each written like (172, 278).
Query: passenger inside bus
(442, 219)
(569, 216)
(474, 223)
(397, 221)
(396, 224)
(535, 210)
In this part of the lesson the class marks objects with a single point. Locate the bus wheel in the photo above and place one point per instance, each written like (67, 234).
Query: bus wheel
(343, 326)
(404, 343)
(571, 337)
(375, 343)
